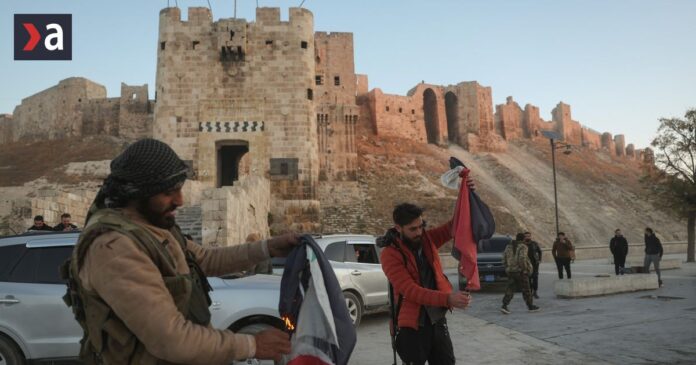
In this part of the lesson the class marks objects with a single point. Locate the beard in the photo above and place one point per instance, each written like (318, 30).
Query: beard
(413, 243)
(155, 217)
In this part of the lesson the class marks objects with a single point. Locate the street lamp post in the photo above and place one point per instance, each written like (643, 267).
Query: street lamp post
(555, 138)
(555, 190)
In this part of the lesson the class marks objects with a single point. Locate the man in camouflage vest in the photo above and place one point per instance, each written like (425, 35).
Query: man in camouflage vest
(518, 267)
(138, 287)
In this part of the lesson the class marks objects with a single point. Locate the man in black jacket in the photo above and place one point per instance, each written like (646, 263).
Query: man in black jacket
(534, 254)
(619, 249)
(65, 224)
(40, 225)
(653, 253)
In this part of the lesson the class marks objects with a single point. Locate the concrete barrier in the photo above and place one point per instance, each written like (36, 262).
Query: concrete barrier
(595, 286)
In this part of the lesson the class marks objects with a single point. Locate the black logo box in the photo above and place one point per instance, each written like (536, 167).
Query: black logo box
(40, 21)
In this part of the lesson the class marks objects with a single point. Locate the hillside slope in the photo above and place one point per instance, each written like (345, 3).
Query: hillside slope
(597, 193)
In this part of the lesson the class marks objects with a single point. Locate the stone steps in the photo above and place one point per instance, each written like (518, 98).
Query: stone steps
(190, 220)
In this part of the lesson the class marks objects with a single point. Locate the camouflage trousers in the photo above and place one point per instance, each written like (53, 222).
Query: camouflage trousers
(518, 280)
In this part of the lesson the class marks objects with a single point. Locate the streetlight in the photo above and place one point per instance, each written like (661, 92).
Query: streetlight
(555, 138)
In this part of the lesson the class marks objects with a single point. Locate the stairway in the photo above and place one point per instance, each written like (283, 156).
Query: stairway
(189, 219)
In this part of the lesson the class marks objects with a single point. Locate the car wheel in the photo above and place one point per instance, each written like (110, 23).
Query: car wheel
(252, 329)
(355, 308)
(9, 353)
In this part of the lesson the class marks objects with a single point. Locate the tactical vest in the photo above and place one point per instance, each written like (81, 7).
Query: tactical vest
(106, 338)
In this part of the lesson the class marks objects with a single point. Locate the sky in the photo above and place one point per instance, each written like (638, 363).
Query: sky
(620, 64)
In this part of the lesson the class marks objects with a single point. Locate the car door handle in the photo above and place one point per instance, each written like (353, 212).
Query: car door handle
(9, 300)
(356, 272)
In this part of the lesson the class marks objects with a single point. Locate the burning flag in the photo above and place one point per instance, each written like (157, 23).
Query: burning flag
(314, 309)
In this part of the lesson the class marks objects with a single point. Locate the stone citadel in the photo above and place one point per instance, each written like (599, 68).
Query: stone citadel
(266, 114)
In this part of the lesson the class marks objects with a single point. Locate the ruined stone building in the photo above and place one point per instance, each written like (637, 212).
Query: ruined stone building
(265, 112)
(79, 107)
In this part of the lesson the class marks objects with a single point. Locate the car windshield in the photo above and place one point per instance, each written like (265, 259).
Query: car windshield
(495, 244)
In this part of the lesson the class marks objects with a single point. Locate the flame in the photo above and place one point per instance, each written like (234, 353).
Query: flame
(288, 323)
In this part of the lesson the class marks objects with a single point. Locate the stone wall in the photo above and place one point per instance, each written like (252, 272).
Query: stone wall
(79, 107)
(591, 139)
(608, 143)
(509, 120)
(396, 115)
(56, 112)
(474, 114)
(337, 113)
(231, 213)
(234, 76)
(566, 126)
(341, 212)
(135, 112)
(6, 128)
(18, 214)
(620, 145)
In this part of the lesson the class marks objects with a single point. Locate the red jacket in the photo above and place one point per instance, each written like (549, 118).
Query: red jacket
(406, 280)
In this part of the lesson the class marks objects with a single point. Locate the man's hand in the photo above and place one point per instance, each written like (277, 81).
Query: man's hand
(459, 299)
(470, 183)
(280, 246)
(272, 344)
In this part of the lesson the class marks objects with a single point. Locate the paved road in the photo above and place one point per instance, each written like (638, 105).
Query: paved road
(633, 328)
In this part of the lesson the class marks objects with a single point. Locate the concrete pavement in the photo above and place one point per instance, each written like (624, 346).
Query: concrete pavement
(646, 327)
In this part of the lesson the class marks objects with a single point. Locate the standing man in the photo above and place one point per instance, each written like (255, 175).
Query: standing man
(65, 224)
(534, 253)
(517, 267)
(412, 265)
(563, 252)
(653, 253)
(138, 287)
(40, 225)
(619, 249)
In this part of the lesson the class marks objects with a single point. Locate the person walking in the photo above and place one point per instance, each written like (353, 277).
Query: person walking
(653, 253)
(411, 262)
(138, 287)
(517, 267)
(563, 253)
(534, 254)
(619, 249)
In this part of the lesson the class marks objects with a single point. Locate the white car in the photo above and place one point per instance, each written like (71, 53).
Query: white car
(355, 261)
(35, 324)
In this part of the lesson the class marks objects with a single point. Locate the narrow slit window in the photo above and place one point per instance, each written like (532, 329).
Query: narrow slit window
(162, 44)
(319, 80)
(231, 34)
(387, 108)
(303, 44)
(310, 94)
(337, 80)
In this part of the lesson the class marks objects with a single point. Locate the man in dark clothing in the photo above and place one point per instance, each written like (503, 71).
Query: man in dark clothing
(40, 225)
(563, 252)
(65, 224)
(619, 249)
(653, 253)
(534, 254)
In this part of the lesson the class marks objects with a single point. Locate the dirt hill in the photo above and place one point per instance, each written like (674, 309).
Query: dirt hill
(597, 193)
(22, 162)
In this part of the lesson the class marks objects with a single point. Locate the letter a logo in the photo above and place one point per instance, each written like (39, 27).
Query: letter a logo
(43, 37)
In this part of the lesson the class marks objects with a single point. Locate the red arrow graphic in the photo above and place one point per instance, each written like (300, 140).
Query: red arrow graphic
(34, 36)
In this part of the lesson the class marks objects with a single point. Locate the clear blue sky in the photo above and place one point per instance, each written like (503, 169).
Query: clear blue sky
(620, 64)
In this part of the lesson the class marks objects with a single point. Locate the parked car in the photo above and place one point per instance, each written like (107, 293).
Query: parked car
(490, 258)
(35, 324)
(355, 261)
